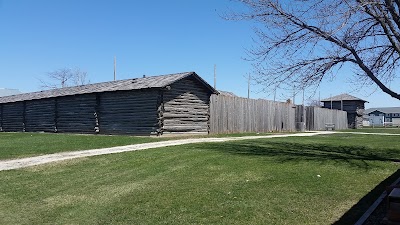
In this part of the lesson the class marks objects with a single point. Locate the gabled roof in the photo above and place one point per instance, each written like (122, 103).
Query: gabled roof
(342, 97)
(383, 109)
(119, 85)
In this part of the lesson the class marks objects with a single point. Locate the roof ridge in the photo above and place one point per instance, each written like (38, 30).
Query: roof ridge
(157, 81)
(342, 97)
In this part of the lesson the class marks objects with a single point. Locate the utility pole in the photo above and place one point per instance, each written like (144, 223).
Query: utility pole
(248, 86)
(215, 76)
(115, 68)
(304, 118)
(294, 93)
(319, 98)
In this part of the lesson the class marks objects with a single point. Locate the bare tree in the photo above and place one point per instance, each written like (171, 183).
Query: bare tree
(305, 41)
(65, 77)
(80, 77)
(314, 102)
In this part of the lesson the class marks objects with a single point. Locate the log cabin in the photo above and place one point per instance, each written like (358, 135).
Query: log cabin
(155, 105)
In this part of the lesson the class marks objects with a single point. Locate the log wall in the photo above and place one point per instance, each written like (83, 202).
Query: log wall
(1, 117)
(40, 115)
(185, 108)
(13, 117)
(128, 112)
(76, 113)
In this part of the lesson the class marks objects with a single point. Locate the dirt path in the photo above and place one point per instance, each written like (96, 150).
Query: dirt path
(38, 160)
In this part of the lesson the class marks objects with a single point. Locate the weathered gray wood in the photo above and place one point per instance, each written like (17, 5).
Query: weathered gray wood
(354, 109)
(39, 115)
(13, 117)
(229, 114)
(185, 108)
(318, 117)
(182, 106)
(76, 113)
(1, 117)
(133, 112)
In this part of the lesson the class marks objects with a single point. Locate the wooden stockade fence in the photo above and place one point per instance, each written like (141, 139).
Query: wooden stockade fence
(317, 118)
(235, 115)
(230, 114)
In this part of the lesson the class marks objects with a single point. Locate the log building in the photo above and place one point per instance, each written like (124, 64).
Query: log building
(352, 105)
(156, 105)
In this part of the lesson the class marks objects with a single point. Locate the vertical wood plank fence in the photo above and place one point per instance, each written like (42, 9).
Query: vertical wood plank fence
(231, 114)
(316, 118)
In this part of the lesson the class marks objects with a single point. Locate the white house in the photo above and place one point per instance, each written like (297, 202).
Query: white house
(383, 116)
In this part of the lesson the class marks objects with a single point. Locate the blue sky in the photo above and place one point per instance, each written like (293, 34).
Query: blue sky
(147, 37)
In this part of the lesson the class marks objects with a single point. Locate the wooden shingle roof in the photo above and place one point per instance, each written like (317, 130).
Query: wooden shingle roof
(119, 85)
(342, 97)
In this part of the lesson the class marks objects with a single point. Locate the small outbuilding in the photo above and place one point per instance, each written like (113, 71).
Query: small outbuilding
(155, 105)
(352, 105)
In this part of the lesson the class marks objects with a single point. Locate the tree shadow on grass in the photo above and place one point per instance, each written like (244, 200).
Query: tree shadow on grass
(354, 156)
(355, 212)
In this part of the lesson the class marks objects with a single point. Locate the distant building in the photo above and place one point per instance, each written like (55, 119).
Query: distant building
(383, 116)
(7, 92)
(352, 105)
(227, 93)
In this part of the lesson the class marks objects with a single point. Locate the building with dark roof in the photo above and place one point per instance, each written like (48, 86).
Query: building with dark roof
(173, 103)
(227, 93)
(383, 116)
(352, 105)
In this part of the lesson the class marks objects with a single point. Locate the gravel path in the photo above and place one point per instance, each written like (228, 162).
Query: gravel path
(38, 160)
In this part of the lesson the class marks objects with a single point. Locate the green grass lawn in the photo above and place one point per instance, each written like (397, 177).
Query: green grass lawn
(270, 181)
(19, 145)
(390, 130)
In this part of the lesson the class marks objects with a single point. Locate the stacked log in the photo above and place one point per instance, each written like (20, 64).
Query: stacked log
(186, 108)
(181, 107)
(40, 115)
(75, 114)
(129, 112)
(12, 117)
